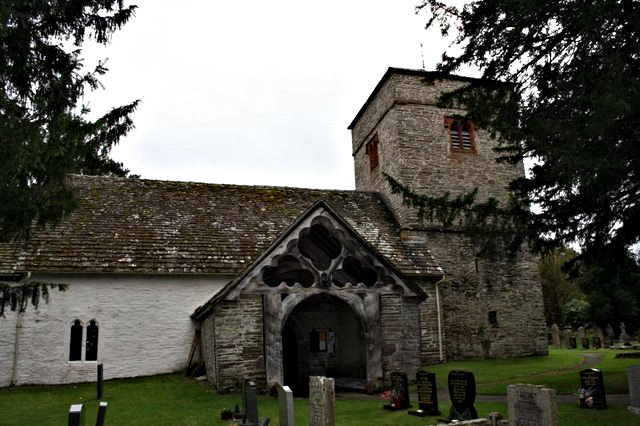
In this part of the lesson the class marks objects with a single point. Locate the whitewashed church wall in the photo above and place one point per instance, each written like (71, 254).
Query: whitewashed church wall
(144, 327)
(7, 339)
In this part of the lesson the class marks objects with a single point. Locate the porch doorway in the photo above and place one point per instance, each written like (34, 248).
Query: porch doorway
(323, 336)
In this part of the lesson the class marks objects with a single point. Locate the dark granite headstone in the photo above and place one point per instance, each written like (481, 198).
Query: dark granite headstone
(592, 387)
(572, 342)
(427, 395)
(76, 415)
(585, 343)
(249, 414)
(100, 383)
(597, 343)
(462, 391)
(102, 413)
(399, 392)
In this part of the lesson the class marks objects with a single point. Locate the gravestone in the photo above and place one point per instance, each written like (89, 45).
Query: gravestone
(566, 334)
(597, 343)
(555, 336)
(427, 395)
(633, 374)
(597, 332)
(285, 404)
(609, 338)
(624, 337)
(322, 401)
(462, 391)
(100, 382)
(250, 403)
(102, 413)
(581, 333)
(585, 343)
(76, 415)
(572, 342)
(592, 393)
(531, 405)
(399, 392)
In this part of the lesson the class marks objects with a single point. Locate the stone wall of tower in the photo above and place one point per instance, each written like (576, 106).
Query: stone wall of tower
(414, 148)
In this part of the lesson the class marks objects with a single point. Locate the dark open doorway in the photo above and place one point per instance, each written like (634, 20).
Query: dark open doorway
(323, 336)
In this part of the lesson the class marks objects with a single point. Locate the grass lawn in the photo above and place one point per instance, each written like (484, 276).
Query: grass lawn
(174, 400)
(493, 376)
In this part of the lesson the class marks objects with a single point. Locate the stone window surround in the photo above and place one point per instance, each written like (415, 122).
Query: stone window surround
(454, 124)
(371, 149)
(83, 342)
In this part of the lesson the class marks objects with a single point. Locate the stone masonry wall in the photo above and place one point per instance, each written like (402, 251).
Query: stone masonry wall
(473, 287)
(414, 148)
(239, 346)
(400, 335)
(430, 340)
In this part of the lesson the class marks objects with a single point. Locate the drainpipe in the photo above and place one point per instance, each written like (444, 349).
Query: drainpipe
(16, 347)
(439, 321)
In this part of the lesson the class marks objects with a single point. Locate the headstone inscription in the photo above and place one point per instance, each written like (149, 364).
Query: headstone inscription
(572, 342)
(462, 391)
(285, 404)
(399, 392)
(633, 374)
(555, 336)
(597, 343)
(322, 401)
(531, 405)
(76, 415)
(592, 393)
(427, 395)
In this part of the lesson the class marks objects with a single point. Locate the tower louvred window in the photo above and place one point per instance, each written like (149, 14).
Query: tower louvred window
(462, 135)
(372, 152)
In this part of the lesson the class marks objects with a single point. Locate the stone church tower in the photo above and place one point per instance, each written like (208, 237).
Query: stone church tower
(485, 309)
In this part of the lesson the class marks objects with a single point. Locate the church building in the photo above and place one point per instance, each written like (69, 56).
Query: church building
(281, 283)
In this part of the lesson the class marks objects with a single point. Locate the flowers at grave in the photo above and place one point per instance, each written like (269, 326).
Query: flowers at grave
(586, 397)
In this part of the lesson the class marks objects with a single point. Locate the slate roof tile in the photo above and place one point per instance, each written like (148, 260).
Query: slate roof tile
(147, 226)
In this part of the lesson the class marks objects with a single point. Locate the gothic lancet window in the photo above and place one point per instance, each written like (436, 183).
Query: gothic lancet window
(91, 353)
(75, 345)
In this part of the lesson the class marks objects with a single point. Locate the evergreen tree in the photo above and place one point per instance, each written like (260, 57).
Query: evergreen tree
(560, 86)
(44, 130)
(611, 284)
(558, 288)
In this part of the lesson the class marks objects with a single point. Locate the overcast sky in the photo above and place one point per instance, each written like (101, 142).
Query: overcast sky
(254, 92)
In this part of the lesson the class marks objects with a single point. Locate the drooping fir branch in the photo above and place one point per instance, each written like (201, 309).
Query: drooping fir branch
(568, 100)
(17, 297)
(495, 229)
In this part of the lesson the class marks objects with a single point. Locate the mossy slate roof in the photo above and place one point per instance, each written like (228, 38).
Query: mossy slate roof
(147, 226)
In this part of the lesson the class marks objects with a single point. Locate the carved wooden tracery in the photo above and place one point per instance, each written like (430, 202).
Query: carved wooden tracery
(321, 255)
(324, 256)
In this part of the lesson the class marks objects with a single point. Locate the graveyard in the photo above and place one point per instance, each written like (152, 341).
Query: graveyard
(174, 399)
